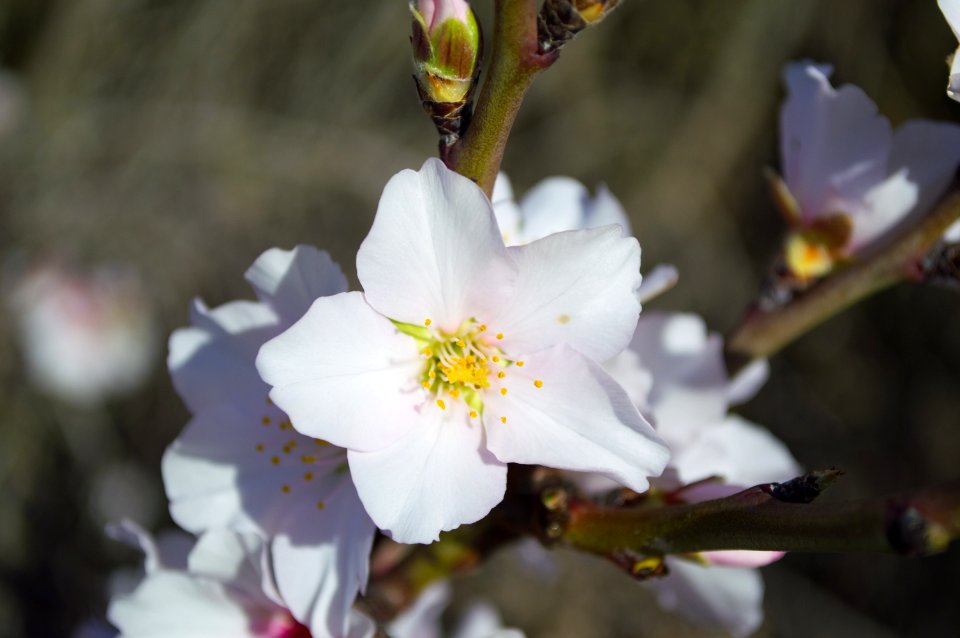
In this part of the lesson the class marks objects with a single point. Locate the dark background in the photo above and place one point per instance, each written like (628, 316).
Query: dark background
(184, 137)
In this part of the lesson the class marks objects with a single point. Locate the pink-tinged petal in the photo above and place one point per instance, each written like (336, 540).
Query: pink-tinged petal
(576, 287)
(833, 142)
(345, 374)
(656, 282)
(740, 452)
(212, 361)
(745, 385)
(576, 418)
(923, 162)
(741, 558)
(728, 597)
(689, 377)
(435, 479)
(422, 619)
(290, 280)
(434, 251)
(321, 563)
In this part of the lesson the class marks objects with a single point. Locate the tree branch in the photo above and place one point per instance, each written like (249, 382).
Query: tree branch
(515, 61)
(763, 333)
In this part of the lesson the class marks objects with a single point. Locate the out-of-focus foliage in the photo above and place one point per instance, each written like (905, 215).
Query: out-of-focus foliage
(184, 137)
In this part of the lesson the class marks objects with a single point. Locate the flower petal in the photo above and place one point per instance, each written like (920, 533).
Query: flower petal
(321, 564)
(344, 373)
(656, 282)
(434, 250)
(689, 377)
(729, 597)
(577, 418)
(435, 479)
(833, 142)
(739, 451)
(506, 210)
(212, 361)
(748, 381)
(576, 287)
(923, 162)
(290, 280)
(422, 619)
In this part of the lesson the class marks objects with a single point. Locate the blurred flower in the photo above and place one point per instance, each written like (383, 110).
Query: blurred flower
(848, 179)
(422, 619)
(226, 590)
(85, 337)
(461, 356)
(951, 11)
(239, 463)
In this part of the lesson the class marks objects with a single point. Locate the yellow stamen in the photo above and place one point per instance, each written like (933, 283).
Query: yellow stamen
(427, 322)
(275, 460)
(503, 420)
(499, 335)
(265, 420)
(538, 383)
(260, 447)
(443, 406)
(519, 364)
(308, 476)
(473, 414)
(501, 374)
(285, 489)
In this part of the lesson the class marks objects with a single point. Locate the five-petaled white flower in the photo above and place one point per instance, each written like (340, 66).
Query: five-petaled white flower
(240, 464)
(462, 355)
(849, 179)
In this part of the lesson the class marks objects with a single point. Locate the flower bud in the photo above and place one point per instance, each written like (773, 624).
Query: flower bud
(446, 45)
(560, 20)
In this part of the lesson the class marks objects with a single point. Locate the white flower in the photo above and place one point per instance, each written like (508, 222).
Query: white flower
(849, 179)
(225, 590)
(951, 11)
(86, 337)
(461, 356)
(240, 464)
(558, 204)
(422, 619)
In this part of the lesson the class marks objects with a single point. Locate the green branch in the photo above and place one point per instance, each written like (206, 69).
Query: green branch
(770, 518)
(515, 61)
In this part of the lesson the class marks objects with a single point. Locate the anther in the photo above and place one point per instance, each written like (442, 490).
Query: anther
(320, 505)
(538, 383)
(503, 391)
(503, 420)
(308, 476)
(285, 489)
(499, 335)
(265, 420)
(496, 359)
(443, 406)
(275, 460)
(501, 374)
(306, 458)
(473, 414)
(427, 322)
(260, 447)
(481, 328)
(455, 393)
(519, 364)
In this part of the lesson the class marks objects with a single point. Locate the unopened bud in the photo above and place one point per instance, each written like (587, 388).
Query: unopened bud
(446, 47)
(594, 10)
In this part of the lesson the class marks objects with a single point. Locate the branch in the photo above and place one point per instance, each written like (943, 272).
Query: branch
(763, 333)
(515, 61)
(768, 518)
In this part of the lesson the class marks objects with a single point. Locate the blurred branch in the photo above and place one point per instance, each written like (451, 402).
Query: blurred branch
(515, 61)
(771, 517)
(763, 333)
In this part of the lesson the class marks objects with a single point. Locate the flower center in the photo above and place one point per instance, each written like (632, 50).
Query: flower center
(459, 364)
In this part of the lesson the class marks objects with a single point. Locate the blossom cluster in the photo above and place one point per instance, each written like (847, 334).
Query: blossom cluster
(487, 332)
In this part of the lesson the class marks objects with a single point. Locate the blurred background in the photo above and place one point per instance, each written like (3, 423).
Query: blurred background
(151, 149)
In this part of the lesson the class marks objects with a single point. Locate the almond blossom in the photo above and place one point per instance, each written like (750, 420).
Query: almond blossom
(461, 356)
(848, 177)
(240, 464)
(674, 372)
(225, 589)
(422, 619)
